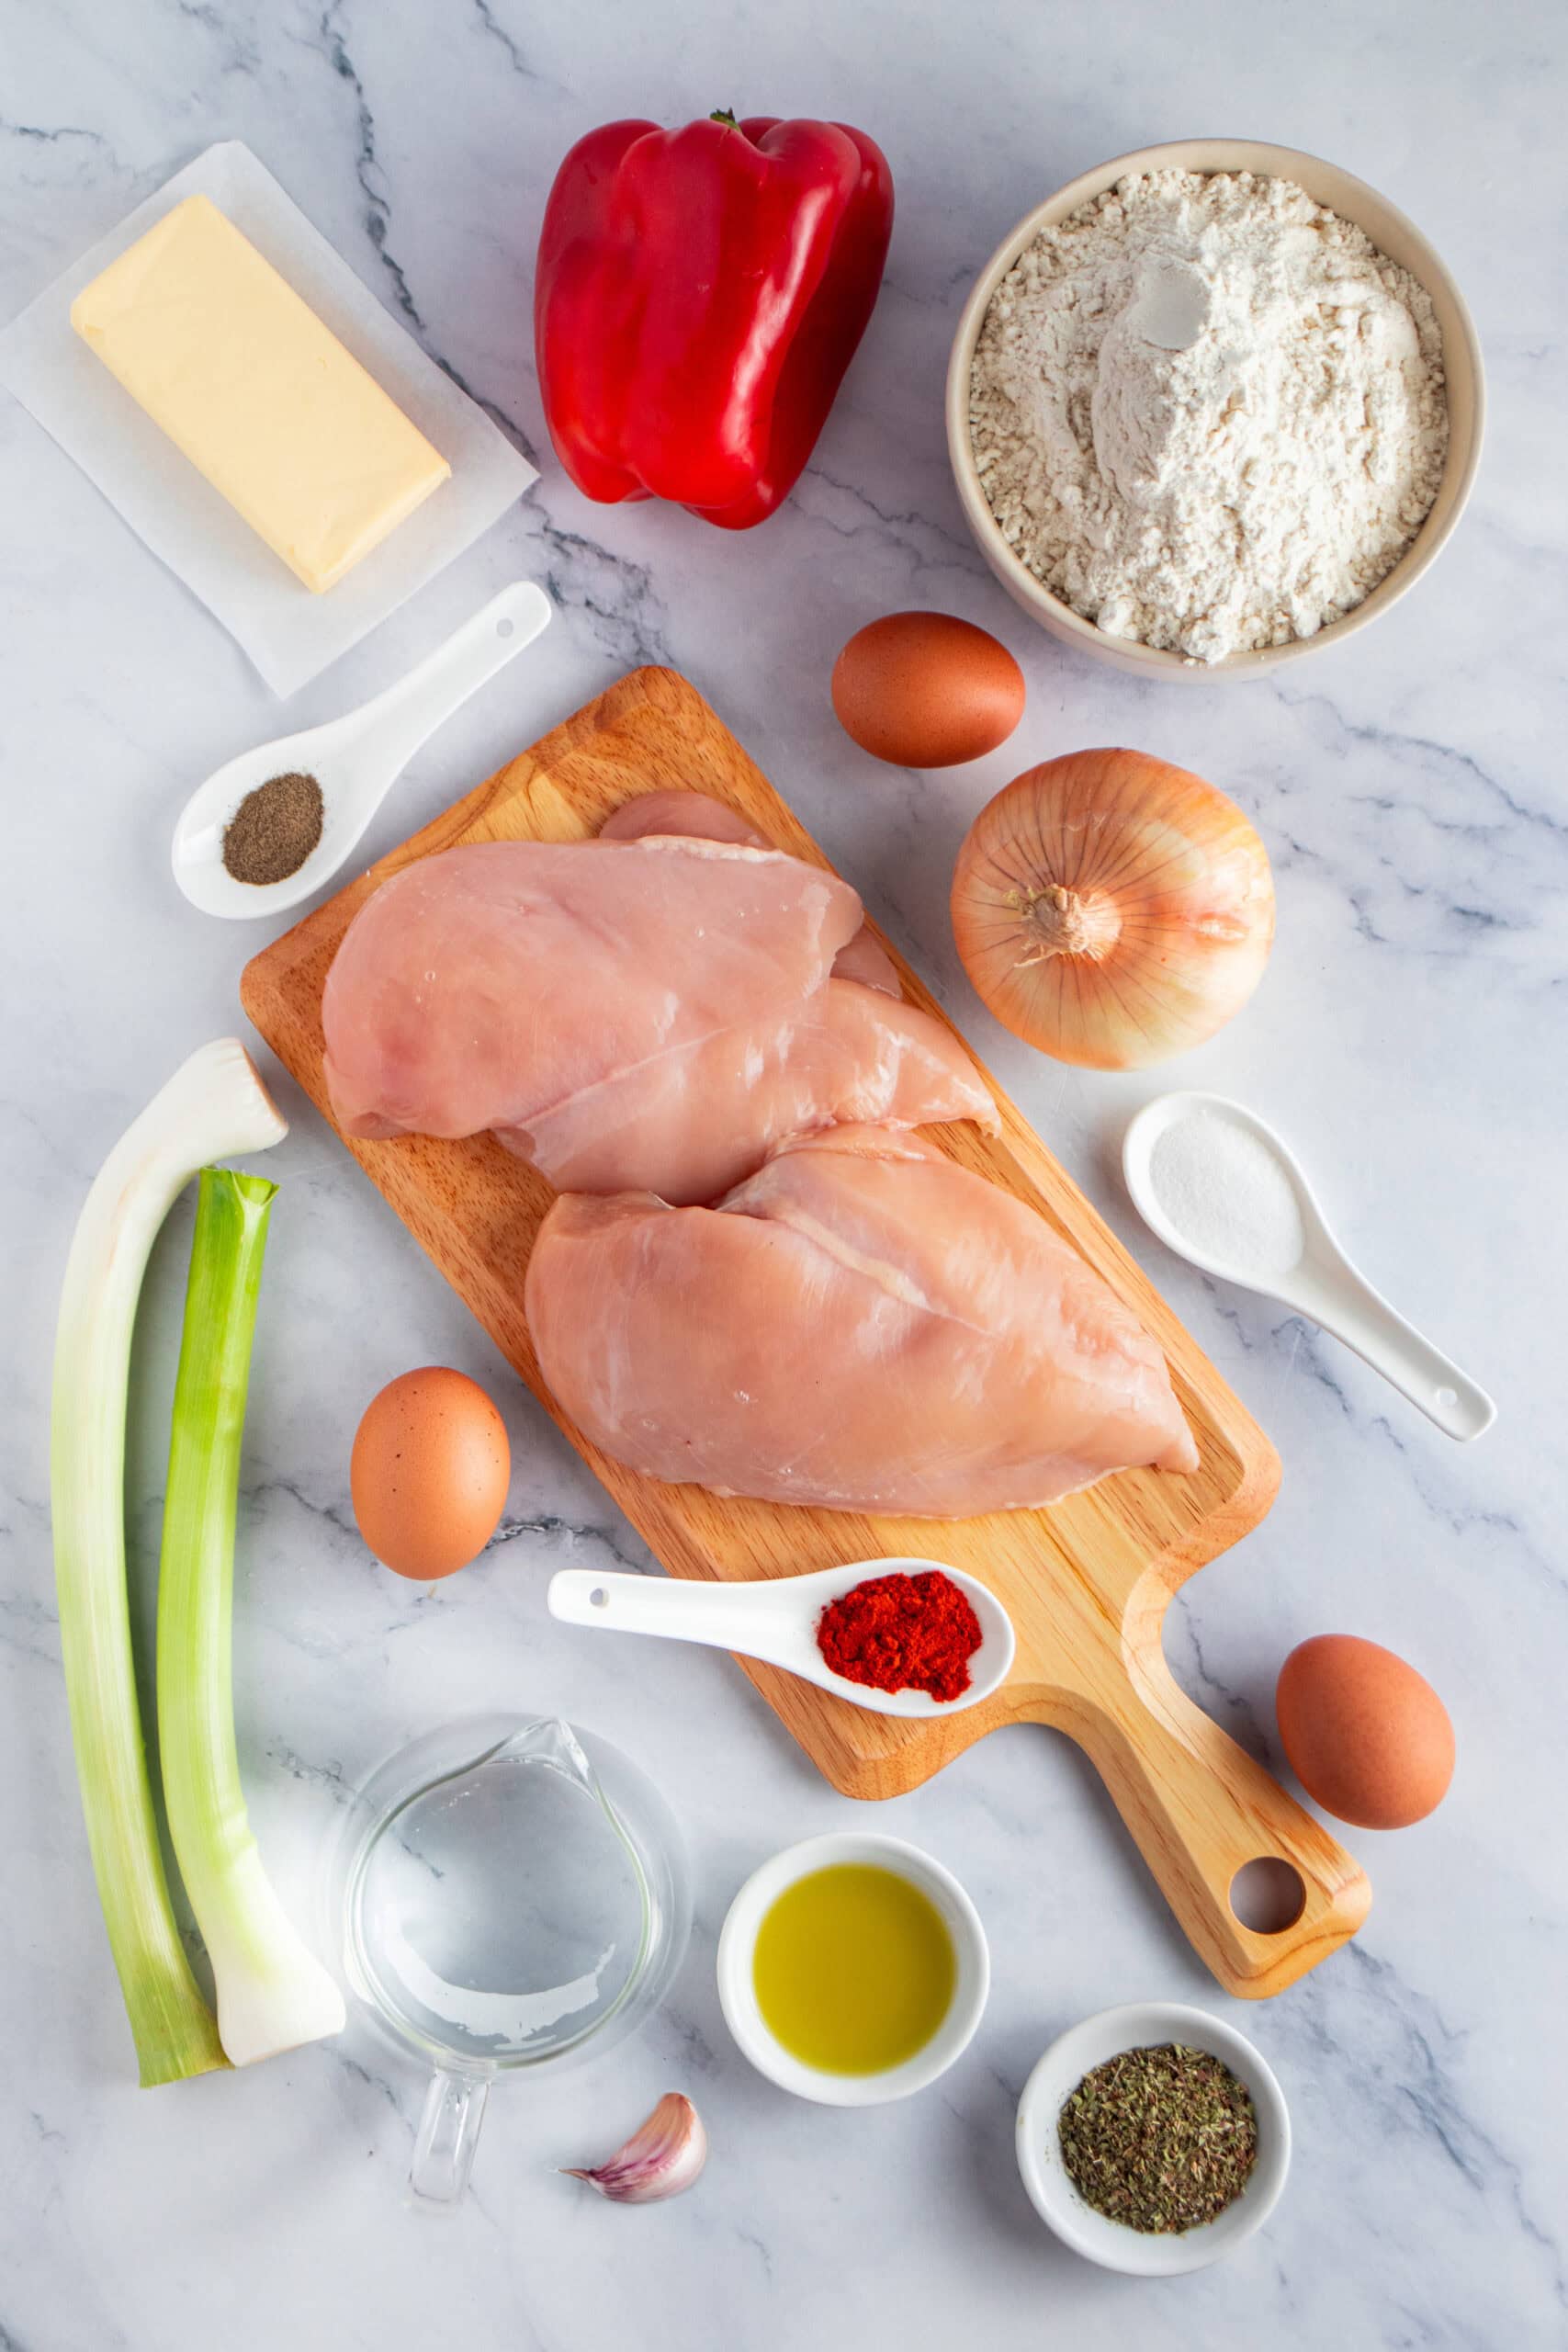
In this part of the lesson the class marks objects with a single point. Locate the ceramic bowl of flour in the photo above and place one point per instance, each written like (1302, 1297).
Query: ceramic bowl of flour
(1169, 313)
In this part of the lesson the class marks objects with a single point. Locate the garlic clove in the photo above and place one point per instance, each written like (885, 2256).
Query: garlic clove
(663, 2156)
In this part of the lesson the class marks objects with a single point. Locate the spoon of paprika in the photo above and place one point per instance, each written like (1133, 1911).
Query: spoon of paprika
(905, 1638)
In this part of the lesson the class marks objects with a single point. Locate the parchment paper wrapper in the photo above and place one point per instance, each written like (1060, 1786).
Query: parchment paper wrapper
(290, 634)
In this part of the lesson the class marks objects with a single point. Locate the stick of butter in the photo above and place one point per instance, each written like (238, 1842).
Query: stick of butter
(247, 382)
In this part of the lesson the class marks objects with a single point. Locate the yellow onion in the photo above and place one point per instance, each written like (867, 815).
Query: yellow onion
(1112, 910)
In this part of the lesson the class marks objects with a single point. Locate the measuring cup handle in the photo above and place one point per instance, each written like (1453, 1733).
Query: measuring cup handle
(448, 2134)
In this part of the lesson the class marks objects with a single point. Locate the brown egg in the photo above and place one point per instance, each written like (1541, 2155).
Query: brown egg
(926, 691)
(430, 1471)
(1366, 1737)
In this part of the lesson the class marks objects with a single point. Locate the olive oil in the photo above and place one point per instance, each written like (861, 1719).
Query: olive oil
(854, 1969)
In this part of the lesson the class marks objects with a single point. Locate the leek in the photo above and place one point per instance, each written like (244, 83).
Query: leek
(272, 1992)
(213, 1107)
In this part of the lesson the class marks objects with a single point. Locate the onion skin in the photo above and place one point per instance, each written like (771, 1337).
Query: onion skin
(1112, 910)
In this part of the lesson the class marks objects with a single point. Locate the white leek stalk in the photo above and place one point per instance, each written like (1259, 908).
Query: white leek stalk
(272, 1992)
(214, 1106)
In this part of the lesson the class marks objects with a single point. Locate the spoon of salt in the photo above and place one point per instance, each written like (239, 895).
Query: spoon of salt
(1219, 1188)
(356, 760)
(775, 1619)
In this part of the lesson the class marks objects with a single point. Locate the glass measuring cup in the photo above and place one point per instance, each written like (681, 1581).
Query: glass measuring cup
(512, 1895)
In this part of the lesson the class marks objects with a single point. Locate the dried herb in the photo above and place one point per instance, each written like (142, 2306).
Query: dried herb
(273, 830)
(1160, 2139)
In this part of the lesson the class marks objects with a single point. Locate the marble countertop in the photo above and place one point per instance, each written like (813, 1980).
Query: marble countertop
(1408, 1036)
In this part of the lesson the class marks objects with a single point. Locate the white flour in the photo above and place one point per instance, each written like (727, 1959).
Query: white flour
(1209, 414)
(1225, 1192)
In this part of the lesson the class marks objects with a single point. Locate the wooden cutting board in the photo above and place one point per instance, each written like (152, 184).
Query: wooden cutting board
(1087, 1581)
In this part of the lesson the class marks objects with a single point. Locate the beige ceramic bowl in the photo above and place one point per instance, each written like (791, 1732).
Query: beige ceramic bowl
(1391, 232)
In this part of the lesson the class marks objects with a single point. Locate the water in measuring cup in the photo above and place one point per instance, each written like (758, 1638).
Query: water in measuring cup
(501, 1914)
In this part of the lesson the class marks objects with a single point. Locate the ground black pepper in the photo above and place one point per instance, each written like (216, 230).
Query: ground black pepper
(273, 830)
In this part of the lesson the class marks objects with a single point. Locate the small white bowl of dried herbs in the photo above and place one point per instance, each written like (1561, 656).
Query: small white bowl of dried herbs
(1153, 2139)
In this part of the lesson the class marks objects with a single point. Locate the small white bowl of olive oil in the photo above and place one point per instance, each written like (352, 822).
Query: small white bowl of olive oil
(853, 1969)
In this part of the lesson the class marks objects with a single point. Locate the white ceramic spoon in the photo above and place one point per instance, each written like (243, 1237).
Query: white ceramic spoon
(356, 760)
(775, 1620)
(1323, 1285)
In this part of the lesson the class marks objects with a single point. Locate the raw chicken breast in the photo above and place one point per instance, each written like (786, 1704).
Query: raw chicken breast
(697, 815)
(867, 960)
(624, 1014)
(862, 1324)
(489, 984)
(692, 1122)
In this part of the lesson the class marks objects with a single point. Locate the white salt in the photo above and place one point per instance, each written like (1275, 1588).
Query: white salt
(1225, 1193)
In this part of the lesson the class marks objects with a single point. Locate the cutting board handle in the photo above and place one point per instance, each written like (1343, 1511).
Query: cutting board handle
(1201, 1808)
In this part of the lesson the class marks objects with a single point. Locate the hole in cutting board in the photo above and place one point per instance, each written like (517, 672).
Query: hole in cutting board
(599, 1597)
(1268, 1895)
(503, 628)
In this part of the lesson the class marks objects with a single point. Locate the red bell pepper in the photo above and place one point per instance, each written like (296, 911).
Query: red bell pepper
(699, 295)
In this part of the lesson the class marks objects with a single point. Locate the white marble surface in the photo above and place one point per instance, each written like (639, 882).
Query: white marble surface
(1408, 1037)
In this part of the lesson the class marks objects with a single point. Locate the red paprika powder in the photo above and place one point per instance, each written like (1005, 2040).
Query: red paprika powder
(902, 1633)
